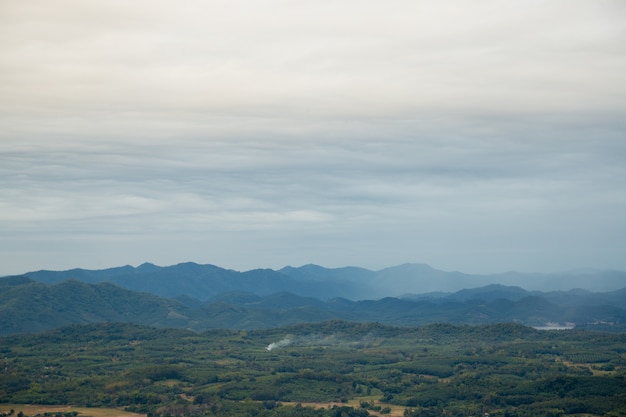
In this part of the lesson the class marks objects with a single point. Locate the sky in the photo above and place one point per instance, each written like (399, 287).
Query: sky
(481, 136)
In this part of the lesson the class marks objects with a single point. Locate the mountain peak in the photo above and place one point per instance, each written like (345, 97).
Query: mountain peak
(147, 266)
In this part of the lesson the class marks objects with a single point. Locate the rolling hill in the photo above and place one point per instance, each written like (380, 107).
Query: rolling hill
(28, 306)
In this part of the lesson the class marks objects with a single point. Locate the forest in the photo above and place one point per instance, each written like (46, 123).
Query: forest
(354, 369)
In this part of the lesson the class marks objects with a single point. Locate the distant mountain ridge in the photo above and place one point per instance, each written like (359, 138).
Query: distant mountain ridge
(198, 281)
(206, 281)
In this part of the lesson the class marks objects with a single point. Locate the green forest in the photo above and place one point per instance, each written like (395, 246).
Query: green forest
(352, 369)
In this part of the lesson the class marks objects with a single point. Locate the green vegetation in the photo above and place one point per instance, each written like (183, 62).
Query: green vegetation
(74, 302)
(363, 369)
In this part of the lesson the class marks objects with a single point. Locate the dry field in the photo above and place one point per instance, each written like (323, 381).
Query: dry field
(33, 409)
(396, 410)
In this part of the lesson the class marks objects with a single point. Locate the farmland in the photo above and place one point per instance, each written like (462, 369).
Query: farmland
(331, 368)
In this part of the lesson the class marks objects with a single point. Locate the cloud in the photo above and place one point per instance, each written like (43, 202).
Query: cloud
(299, 59)
(477, 136)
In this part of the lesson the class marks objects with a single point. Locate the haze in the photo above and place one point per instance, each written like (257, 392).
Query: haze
(479, 136)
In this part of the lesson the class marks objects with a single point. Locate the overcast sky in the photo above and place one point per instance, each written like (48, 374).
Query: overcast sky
(480, 136)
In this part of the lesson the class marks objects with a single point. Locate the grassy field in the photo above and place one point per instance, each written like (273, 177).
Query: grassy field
(34, 409)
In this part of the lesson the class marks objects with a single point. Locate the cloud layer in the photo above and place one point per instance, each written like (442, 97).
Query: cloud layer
(480, 136)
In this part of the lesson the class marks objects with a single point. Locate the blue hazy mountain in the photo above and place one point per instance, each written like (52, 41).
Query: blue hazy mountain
(28, 306)
(199, 281)
(203, 282)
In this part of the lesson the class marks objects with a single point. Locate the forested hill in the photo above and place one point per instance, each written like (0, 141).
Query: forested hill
(27, 306)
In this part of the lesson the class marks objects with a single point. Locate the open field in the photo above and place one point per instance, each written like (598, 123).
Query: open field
(34, 409)
(395, 410)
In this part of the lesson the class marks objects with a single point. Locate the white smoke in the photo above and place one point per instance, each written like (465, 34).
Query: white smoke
(279, 344)
(326, 341)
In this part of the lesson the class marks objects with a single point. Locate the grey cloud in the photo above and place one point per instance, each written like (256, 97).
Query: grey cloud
(248, 134)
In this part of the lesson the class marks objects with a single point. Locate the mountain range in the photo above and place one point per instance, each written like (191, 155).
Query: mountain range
(201, 297)
(206, 281)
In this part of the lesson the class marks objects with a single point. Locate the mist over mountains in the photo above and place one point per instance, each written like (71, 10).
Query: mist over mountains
(205, 281)
(201, 297)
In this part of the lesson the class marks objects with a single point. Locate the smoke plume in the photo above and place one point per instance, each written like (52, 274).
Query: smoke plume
(279, 344)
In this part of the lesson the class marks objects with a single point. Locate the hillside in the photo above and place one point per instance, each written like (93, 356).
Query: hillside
(27, 306)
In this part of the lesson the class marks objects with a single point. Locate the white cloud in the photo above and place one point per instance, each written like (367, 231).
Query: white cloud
(304, 59)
